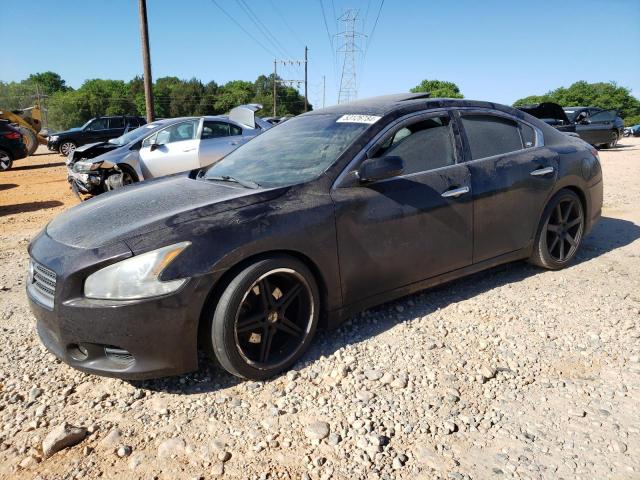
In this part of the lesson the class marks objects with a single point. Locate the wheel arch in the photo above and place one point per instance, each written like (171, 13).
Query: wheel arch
(220, 285)
(129, 169)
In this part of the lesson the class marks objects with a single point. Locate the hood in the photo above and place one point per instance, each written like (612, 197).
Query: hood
(151, 205)
(67, 132)
(550, 112)
(92, 150)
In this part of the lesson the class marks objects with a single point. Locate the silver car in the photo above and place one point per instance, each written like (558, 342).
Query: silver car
(161, 148)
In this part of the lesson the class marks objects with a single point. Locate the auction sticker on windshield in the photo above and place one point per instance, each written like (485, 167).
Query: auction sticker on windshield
(353, 118)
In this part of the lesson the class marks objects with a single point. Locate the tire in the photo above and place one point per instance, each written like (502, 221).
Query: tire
(127, 177)
(6, 162)
(247, 324)
(66, 147)
(613, 140)
(555, 247)
(30, 139)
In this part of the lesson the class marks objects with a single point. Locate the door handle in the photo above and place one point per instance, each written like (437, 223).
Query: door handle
(234, 143)
(455, 192)
(188, 150)
(540, 172)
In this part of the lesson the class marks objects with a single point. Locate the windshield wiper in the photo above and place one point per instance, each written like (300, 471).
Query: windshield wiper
(229, 178)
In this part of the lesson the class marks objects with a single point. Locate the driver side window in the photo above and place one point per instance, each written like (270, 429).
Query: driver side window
(98, 124)
(423, 145)
(173, 133)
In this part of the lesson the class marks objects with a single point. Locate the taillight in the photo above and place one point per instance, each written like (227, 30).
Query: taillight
(13, 135)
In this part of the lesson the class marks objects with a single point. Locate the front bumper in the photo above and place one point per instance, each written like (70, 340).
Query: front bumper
(131, 340)
(53, 145)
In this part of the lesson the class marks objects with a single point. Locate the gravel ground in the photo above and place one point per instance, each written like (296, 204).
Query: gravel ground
(512, 373)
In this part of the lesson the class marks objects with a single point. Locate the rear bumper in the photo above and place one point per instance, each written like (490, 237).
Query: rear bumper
(596, 194)
(131, 340)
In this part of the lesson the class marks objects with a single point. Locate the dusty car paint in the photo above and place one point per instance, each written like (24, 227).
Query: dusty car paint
(365, 244)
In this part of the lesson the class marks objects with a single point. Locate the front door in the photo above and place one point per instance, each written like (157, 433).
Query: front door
(170, 150)
(512, 176)
(401, 230)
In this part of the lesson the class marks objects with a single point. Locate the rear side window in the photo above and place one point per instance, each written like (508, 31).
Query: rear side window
(424, 145)
(528, 135)
(489, 135)
(116, 122)
(215, 130)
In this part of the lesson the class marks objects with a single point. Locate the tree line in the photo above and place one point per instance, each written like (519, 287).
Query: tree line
(607, 95)
(173, 97)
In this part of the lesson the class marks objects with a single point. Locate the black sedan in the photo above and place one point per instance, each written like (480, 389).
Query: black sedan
(328, 213)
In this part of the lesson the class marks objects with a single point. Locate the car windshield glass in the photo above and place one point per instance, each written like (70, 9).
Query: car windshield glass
(133, 135)
(293, 152)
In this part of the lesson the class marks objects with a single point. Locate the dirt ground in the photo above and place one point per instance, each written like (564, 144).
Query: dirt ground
(512, 373)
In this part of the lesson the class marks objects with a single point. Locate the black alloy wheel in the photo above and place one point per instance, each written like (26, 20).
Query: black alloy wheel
(561, 232)
(613, 139)
(265, 318)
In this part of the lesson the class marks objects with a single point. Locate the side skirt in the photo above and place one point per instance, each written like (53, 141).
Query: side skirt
(336, 317)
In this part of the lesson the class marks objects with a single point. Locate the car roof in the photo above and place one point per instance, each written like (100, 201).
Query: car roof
(405, 102)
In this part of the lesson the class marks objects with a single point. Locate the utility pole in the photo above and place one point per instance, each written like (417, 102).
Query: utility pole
(324, 85)
(348, 81)
(306, 61)
(275, 80)
(146, 60)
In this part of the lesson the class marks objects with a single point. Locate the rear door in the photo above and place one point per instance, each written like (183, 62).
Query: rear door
(512, 175)
(404, 229)
(217, 139)
(601, 126)
(171, 150)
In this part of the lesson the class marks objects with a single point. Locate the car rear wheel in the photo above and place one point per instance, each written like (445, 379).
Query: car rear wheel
(560, 231)
(613, 139)
(265, 318)
(5, 160)
(66, 147)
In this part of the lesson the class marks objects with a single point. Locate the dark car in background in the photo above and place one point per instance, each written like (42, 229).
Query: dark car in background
(99, 129)
(601, 128)
(12, 146)
(328, 213)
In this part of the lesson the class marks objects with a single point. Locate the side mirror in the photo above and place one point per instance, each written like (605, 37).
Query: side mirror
(154, 146)
(380, 168)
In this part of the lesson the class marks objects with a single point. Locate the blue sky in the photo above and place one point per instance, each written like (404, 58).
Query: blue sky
(494, 50)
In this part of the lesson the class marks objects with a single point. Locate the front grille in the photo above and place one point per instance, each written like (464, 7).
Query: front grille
(42, 284)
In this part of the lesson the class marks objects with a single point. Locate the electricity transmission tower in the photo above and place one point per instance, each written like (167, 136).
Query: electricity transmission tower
(349, 48)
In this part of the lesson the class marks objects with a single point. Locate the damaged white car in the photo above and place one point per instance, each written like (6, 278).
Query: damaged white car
(161, 148)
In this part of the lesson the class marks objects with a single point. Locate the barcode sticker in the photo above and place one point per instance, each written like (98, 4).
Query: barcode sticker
(354, 118)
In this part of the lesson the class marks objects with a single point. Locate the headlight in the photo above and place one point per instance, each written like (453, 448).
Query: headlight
(54, 138)
(85, 166)
(136, 277)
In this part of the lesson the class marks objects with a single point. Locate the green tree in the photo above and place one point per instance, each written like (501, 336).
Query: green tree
(607, 95)
(438, 88)
(48, 82)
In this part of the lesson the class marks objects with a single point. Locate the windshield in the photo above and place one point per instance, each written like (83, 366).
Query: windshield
(134, 135)
(292, 152)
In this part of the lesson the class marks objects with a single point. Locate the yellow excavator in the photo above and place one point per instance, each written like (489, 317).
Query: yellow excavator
(29, 122)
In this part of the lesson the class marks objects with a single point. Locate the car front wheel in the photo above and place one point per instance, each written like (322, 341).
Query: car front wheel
(67, 147)
(265, 318)
(560, 231)
(5, 160)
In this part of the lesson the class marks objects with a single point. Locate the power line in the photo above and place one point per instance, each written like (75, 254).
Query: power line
(373, 30)
(262, 27)
(285, 21)
(244, 29)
